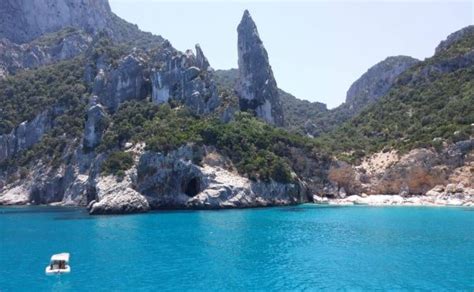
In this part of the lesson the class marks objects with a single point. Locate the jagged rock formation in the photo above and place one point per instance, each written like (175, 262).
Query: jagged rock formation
(187, 79)
(127, 81)
(256, 87)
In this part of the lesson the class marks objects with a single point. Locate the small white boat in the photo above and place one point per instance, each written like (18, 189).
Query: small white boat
(59, 264)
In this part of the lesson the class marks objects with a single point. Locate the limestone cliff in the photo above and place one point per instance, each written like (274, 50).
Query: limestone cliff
(256, 86)
(185, 78)
(376, 82)
(48, 49)
(24, 20)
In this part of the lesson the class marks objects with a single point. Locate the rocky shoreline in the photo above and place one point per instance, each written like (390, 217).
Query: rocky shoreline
(440, 196)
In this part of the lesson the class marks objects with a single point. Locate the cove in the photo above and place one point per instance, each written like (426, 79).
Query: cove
(285, 248)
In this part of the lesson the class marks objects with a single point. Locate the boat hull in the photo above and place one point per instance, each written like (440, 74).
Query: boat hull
(51, 272)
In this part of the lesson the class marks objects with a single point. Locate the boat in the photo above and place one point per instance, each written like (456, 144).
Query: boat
(59, 264)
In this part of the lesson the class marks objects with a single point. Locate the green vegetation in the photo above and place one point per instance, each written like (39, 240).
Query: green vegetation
(459, 47)
(117, 163)
(424, 106)
(58, 88)
(256, 149)
(28, 93)
(302, 116)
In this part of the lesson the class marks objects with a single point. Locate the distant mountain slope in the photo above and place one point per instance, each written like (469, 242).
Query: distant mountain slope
(430, 103)
(376, 82)
(313, 118)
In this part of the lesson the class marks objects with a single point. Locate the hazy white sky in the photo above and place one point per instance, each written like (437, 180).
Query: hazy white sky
(316, 48)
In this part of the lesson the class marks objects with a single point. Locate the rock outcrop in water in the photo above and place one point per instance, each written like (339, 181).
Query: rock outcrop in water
(256, 86)
(174, 180)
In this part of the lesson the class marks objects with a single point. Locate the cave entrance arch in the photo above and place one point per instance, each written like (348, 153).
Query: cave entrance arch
(192, 187)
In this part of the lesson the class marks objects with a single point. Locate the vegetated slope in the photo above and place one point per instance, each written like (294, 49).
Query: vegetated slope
(431, 103)
(258, 150)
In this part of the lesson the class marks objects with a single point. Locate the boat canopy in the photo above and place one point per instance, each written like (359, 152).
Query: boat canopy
(60, 257)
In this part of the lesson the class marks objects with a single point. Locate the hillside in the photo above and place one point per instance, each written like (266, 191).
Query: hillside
(430, 104)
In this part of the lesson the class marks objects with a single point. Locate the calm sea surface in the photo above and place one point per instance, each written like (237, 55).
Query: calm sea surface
(291, 248)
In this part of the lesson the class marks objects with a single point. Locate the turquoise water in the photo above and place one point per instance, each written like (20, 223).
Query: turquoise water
(292, 248)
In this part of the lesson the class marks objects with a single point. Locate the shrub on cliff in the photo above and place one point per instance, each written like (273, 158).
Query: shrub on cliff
(117, 163)
(260, 151)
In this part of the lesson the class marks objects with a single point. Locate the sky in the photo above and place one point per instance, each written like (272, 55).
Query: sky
(317, 49)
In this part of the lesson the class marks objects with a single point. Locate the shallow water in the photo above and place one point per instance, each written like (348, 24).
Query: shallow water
(291, 248)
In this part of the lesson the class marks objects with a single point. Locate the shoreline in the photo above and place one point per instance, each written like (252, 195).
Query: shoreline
(350, 201)
(397, 200)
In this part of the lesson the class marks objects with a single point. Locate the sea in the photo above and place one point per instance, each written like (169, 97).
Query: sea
(298, 248)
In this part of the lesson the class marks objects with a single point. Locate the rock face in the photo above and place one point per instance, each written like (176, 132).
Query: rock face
(25, 135)
(377, 81)
(127, 81)
(256, 86)
(117, 197)
(453, 38)
(96, 124)
(24, 20)
(414, 173)
(55, 47)
(175, 181)
(187, 79)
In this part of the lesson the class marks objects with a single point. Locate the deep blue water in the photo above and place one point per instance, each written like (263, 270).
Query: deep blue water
(291, 248)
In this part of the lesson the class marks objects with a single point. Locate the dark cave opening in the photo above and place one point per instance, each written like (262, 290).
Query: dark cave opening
(192, 188)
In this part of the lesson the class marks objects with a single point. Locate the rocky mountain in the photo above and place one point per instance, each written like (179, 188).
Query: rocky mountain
(256, 86)
(91, 119)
